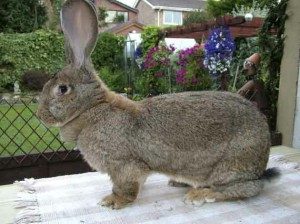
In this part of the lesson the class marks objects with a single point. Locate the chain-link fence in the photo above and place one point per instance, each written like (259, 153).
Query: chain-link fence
(24, 140)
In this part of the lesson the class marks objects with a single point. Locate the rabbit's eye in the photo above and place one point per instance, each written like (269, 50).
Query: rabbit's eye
(63, 89)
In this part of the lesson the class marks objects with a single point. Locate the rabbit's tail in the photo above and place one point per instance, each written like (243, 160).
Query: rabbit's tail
(270, 174)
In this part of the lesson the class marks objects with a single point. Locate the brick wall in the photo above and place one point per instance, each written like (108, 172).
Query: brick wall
(115, 7)
(146, 15)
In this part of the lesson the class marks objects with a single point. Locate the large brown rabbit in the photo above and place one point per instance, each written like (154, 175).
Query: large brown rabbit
(216, 142)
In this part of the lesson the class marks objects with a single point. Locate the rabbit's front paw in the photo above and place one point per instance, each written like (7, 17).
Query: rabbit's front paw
(114, 201)
(198, 196)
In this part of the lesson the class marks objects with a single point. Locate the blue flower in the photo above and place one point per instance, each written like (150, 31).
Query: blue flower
(219, 50)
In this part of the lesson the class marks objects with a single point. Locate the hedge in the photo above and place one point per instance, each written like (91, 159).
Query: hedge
(43, 50)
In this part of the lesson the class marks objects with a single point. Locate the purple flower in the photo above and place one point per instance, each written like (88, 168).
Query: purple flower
(194, 56)
(157, 60)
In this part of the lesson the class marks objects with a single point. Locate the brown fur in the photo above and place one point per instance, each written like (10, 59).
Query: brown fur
(215, 140)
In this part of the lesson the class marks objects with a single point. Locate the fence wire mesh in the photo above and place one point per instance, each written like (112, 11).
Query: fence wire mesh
(22, 135)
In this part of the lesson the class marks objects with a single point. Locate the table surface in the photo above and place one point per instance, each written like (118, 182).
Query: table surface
(8, 192)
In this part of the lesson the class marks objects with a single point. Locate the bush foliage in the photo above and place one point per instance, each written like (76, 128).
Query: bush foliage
(108, 51)
(151, 37)
(44, 51)
(41, 50)
(196, 17)
(217, 8)
(21, 16)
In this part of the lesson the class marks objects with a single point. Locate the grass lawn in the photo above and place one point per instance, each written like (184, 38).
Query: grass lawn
(21, 132)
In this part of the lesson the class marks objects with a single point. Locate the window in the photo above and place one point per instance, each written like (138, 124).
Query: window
(172, 18)
(112, 16)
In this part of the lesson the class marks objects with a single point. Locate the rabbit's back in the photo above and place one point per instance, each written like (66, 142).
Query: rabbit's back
(209, 118)
(195, 130)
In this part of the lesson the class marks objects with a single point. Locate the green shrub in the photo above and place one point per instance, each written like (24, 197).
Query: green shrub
(151, 37)
(219, 8)
(21, 16)
(108, 51)
(146, 85)
(197, 16)
(115, 80)
(41, 50)
(44, 51)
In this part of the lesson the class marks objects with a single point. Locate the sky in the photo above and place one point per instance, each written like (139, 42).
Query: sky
(128, 2)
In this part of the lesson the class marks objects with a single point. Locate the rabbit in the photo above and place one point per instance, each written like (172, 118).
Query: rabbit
(216, 142)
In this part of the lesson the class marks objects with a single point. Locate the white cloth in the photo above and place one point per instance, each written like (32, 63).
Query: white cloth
(73, 200)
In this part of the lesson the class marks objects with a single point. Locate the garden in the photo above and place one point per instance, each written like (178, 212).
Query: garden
(32, 50)
(201, 115)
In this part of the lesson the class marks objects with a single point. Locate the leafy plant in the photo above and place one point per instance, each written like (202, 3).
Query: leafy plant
(145, 85)
(21, 16)
(191, 73)
(244, 48)
(102, 14)
(151, 37)
(115, 80)
(256, 10)
(197, 16)
(119, 19)
(157, 60)
(221, 7)
(108, 51)
(154, 80)
(41, 50)
(271, 48)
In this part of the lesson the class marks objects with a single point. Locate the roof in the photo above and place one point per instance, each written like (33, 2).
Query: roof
(121, 26)
(123, 5)
(179, 4)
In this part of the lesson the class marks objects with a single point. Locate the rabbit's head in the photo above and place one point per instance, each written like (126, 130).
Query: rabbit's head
(76, 88)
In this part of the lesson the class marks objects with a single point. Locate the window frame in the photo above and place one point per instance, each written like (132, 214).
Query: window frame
(172, 23)
(118, 12)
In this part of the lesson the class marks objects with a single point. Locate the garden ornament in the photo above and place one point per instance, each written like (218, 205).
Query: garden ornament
(253, 90)
(251, 64)
(216, 142)
(17, 90)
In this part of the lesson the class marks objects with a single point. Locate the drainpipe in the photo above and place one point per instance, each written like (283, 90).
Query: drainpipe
(158, 17)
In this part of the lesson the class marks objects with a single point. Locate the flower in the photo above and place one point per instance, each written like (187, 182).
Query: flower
(218, 51)
(190, 66)
(157, 59)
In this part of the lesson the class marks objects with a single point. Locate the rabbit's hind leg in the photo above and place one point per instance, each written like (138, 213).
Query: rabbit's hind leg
(233, 191)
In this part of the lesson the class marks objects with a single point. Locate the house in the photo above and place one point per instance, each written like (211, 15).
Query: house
(166, 12)
(121, 18)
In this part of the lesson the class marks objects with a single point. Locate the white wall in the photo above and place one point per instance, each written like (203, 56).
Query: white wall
(289, 76)
(296, 137)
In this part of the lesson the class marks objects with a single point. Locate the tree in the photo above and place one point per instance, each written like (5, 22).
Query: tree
(196, 17)
(221, 7)
(53, 8)
(21, 16)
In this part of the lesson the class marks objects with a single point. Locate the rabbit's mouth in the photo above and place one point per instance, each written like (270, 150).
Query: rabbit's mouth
(47, 118)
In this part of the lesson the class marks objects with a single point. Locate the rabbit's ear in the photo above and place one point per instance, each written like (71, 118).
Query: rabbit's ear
(80, 26)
